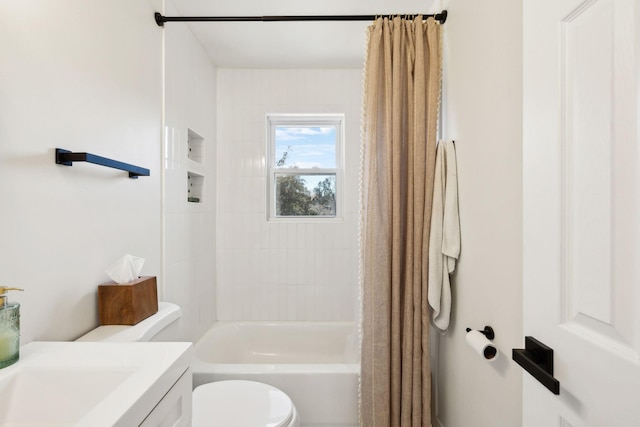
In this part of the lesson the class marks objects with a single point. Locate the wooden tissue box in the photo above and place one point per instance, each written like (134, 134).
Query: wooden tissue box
(128, 303)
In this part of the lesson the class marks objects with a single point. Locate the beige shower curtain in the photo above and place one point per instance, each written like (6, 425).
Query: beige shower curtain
(401, 101)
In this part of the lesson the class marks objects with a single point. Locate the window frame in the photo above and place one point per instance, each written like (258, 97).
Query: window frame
(304, 120)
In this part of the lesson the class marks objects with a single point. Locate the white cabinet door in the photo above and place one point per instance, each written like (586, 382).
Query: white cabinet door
(174, 410)
(581, 190)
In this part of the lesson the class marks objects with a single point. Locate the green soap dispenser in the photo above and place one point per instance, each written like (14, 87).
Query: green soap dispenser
(9, 328)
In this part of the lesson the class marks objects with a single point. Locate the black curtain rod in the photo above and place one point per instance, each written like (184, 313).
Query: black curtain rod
(160, 20)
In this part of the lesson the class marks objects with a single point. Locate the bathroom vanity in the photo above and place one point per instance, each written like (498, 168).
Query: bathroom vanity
(96, 384)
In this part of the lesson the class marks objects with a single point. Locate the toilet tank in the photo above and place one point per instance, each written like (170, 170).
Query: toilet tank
(145, 330)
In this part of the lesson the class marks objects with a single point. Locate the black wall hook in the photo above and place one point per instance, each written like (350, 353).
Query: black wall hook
(487, 332)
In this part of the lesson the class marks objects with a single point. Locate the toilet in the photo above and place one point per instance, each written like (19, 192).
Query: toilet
(240, 403)
(231, 403)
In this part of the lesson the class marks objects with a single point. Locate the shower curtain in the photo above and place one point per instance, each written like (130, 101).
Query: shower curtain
(401, 101)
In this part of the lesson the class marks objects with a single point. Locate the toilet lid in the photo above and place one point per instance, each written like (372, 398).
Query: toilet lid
(239, 403)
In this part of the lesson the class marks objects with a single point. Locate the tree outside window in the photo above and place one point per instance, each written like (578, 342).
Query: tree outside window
(304, 173)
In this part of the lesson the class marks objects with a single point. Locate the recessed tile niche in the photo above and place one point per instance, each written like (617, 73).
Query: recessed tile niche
(195, 145)
(195, 184)
(195, 156)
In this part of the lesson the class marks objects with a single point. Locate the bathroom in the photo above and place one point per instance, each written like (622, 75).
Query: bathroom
(102, 77)
(94, 216)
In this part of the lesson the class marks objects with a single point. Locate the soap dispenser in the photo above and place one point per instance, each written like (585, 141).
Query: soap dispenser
(9, 328)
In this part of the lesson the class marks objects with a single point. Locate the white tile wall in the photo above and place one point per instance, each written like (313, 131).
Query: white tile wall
(189, 228)
(282, 271)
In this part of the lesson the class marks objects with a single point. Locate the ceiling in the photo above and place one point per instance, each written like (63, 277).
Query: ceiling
(288, 44)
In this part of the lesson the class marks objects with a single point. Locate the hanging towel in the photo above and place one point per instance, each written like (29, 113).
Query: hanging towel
(444, 240)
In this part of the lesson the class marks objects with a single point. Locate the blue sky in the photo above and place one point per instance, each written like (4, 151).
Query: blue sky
(307, 147)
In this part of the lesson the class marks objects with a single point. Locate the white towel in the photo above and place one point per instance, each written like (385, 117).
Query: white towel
(444, 240)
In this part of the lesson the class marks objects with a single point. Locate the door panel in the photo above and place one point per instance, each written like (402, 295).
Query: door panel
(581, 218)
(598, 181)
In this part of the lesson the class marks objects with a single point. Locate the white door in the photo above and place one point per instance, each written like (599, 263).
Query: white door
(581, 187)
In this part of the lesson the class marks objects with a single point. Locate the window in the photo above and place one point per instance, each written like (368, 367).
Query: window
(305, 166)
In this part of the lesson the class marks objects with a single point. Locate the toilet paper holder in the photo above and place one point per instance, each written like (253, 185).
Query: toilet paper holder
(487, 332)
(481, 342)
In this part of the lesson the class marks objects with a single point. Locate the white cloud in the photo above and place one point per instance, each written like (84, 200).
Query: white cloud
(293, 134)
(311, 149)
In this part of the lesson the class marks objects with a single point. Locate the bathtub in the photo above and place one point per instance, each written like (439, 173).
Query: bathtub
(315, 363)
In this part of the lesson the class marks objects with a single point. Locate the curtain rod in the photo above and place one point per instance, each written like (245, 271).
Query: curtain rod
(160, 20)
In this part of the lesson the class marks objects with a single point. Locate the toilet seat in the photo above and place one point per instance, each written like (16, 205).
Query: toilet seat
(240, 403)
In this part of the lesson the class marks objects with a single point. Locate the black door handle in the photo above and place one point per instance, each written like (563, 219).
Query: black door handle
(537, 359)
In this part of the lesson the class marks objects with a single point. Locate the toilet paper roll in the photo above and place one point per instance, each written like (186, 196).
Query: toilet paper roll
(482, 345)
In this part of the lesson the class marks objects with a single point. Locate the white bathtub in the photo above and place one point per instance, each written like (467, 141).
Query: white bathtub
(315, 363)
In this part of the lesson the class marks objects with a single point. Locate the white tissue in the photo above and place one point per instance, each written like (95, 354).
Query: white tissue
(125, 269)
(481, 345)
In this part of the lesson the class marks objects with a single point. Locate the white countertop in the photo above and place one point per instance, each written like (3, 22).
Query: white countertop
(89, 384)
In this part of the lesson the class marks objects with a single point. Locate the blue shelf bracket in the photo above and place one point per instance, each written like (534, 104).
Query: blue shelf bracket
(66, 158)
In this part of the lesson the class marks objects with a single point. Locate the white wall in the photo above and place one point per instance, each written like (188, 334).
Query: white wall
(84, 76)
(282, 271)
(189, 228)
(483, 114)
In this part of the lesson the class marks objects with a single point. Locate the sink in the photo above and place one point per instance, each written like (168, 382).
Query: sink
(39, 396)
(89, 383)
